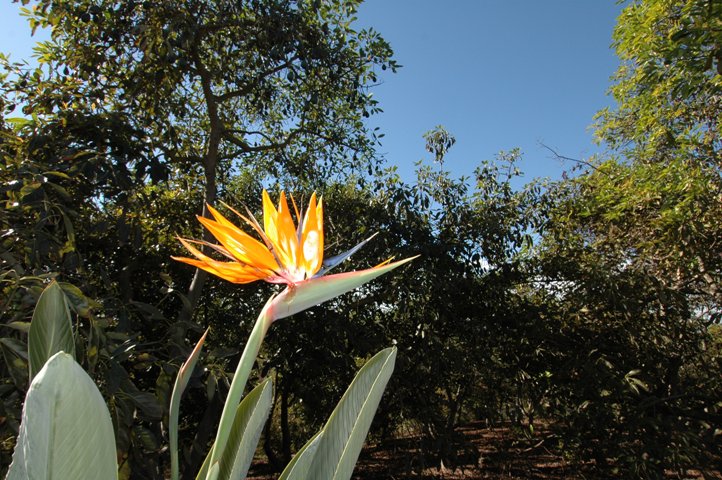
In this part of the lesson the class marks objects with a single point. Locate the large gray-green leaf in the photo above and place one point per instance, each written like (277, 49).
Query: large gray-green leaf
(297, 468)
(346, 429)
(66, 430)
(213, 472)
(51, 329)
(250, 417)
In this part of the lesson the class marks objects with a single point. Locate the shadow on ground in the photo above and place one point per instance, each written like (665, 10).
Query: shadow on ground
(481, 453)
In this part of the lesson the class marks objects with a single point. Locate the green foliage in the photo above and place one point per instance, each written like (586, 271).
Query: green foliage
(630, 263)
(631, 267)
(663, 217)
(248, 423)
(343, 435)
(301, 462)
(472, 242)
(181, 382)
(668, 86)
(279, 84)
(66, 431)
(595, 303)
(136, 114)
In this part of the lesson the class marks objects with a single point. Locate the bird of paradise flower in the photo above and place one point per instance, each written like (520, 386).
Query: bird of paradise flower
(286, 253)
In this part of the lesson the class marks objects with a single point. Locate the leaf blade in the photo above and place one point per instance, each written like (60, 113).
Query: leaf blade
(181, 382)
(51, 329)
(248, 423)
(297, 468)
(64, 414)
(346, 429)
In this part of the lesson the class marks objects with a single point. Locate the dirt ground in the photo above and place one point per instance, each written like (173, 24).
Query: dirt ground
(482, 453)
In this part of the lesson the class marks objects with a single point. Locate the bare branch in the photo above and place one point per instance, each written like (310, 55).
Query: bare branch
(569, 159)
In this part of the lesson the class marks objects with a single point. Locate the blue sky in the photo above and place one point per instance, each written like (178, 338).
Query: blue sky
(497, 74)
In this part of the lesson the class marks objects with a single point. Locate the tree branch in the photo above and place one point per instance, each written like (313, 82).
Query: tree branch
(253, 83)
(569, 159)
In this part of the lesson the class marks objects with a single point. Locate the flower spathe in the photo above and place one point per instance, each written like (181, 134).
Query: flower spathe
(286, 254)
(317, 290)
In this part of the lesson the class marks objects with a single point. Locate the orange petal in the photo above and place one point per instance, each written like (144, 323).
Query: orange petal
(220, 218)
(250, 220)
(287, 240)
(232, 271)
(273, 227)
(242, 246)
(312, 237)
(269, 217)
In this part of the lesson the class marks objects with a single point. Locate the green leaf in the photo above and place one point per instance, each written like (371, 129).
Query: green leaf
(238, 385)
(250, 418)
(213, 472)
(297, 468)
(51, 329)
(77, 300)
(346, 429)
(19, 326)
(15, 355)
(18, 122)
(17, 347)
(203, 472)
(181, 381)
(66, 430)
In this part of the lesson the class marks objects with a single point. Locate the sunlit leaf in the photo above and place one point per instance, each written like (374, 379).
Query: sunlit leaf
(66, 430)
(248, 423)
(346, 429)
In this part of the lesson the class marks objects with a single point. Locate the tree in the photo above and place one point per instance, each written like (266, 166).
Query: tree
(457, 311)
(138, 114)
(668, 87)
(278, 85)
(636, 341)
(666, 199)
(631, 257)
(668, 94)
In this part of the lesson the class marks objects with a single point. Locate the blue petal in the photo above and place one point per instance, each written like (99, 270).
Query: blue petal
(329, 263)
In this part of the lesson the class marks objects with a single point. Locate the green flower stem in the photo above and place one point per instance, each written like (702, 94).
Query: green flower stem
(240, 377)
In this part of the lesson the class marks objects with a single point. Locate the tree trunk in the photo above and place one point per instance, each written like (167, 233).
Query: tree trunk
(210, 164)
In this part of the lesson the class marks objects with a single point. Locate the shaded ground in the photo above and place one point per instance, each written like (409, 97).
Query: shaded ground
(482, 453)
